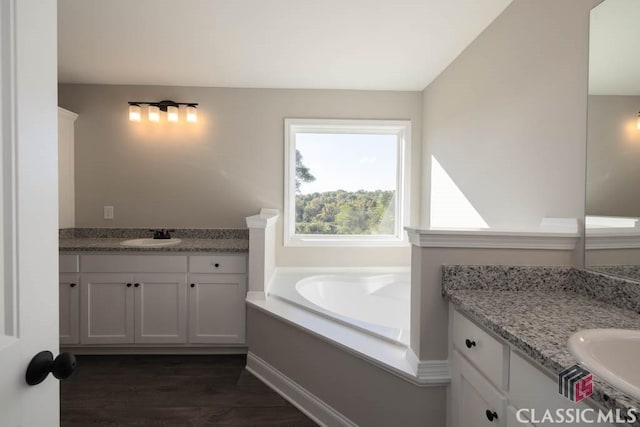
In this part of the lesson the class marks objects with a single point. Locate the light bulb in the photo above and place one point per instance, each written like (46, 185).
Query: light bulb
(154, 113)
(192, 114)
(135, 113)
(172, 114)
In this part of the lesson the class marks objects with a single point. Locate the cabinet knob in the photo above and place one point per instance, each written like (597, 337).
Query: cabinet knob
(216, 265)
(469, 343)
(193, 285)
(137, 285)
(491, 415)
(128, 285)
(73, 285)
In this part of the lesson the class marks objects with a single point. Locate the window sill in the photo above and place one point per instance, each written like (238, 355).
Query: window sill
(346, 242)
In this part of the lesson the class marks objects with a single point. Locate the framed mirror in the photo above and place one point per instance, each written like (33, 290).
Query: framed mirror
(612, 214)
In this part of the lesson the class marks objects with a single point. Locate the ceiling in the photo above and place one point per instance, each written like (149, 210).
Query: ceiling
(316, 44)
(614, 51)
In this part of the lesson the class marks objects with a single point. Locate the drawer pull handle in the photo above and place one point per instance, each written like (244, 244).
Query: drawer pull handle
(73, 285)
(491, 415)
(216, 265)
(193, 285)
(128, 285)
(469, 343)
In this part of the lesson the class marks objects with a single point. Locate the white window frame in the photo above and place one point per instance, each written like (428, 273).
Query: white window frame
(401, 128)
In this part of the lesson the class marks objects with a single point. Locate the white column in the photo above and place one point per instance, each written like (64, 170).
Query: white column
(262, 251)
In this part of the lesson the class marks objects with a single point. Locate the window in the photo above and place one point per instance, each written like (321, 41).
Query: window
(346, 182)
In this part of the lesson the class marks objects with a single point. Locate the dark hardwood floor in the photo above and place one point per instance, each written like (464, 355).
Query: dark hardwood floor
(171, 391)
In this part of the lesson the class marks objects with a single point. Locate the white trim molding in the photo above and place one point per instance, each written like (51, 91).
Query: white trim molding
(429, 371)
(301, 398)
(400, 128)
(612, 238)
(266, 218)
(492, 239)
(262, 250)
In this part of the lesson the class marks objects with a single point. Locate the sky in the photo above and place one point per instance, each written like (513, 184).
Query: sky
(348, 162)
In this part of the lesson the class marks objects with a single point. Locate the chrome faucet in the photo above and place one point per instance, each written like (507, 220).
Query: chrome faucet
(162, 233)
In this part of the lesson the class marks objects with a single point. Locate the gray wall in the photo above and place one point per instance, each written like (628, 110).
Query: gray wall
(214, 173)
(507, 119)
(613, 156)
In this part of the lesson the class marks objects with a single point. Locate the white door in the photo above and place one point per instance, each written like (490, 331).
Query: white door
(28, 207)
(161, 308)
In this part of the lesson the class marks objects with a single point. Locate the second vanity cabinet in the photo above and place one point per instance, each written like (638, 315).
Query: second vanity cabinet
(490, 382)
(152, 300)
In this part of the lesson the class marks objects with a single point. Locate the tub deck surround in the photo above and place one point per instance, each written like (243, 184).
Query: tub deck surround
(385, 347)
(193, 240)
(537, 309)
(384, 354)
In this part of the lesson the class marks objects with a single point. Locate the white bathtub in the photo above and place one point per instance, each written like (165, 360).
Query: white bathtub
(375, 301)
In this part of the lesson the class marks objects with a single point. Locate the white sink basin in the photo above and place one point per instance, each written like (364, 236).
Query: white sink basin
(612, 355)
(150, 243)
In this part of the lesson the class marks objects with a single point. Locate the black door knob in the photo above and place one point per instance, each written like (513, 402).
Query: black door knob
(491, 415)
(42, 363)
(137, 285)
(193, 285)
(73, 285)
(469, 343)
(128, 285)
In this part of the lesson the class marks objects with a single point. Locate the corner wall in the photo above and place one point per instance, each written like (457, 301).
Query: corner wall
(507, 119)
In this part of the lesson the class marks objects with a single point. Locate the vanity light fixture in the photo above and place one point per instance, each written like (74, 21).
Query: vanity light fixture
(172, 109)
(135, 112)
(638, 122)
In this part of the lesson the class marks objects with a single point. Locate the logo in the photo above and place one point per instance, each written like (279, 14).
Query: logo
(575, 383)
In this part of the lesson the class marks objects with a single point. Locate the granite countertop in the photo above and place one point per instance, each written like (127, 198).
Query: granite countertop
(539, 319)
(108, 240)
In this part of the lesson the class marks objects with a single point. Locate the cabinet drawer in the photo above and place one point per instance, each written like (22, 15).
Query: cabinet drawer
(228, 264)
(532, 389)
(133, 264)
(481, 349)
(68, 264)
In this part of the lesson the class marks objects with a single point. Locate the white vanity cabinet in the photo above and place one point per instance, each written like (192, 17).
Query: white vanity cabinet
(491, 382)
(153, 300)
(214, 317)
(214, 299)
(121, 308)
(106, 308)
(160, 308)
(69, 297)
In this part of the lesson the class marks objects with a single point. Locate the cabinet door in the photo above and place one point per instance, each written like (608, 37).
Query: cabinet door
(160, 308)
(513, 421)
(475, 402)
(217, 308)
(106, 309)
(69, 314)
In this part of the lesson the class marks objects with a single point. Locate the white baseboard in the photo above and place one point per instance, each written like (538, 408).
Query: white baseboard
(429, 371)
(124, 350)
(299, 397)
